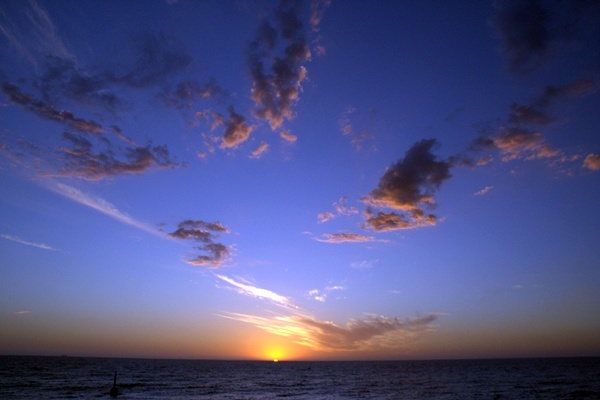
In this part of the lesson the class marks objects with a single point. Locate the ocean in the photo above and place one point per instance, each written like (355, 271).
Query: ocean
(88, 378)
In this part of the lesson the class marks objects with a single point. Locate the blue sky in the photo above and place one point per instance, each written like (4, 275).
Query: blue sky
(300, 180)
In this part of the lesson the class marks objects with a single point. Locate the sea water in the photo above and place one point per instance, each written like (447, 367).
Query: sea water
(87, 378)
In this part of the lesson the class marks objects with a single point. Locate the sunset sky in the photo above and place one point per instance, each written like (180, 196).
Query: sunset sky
(314, 180)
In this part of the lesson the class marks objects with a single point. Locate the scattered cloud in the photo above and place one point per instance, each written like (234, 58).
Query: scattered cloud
(344, 238)
(325, 216)
(519, 136)
(408, 186)
(260, 150)
(287, 135)
(321, 294)
(83, 159)
(277, 76)
(592, 161)
(483, 191)
(260, 293)
(204, 233)
(236, 130)
(22, 312)
(341, 208)
(185, 94)
(47, 111)
(347, 123)
(26, 242)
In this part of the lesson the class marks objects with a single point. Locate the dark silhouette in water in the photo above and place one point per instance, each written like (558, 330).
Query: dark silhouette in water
(114, 391)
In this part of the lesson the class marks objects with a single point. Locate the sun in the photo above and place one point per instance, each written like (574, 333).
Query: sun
(275, 354)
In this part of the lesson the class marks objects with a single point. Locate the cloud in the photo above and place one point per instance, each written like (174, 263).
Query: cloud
(483, 191)
(155, 57)
(31, 31)
(371, 333)
(27, 243)
(260, 150)
(204, 233)
(365, 264)
(236, 130)
(287, 135)
(340, 209)
(321, 295)
(185, 93)
(533, 31)
(325, 216)
(344, 238)
(518, 140)
(83, 159)
(98, 204)
(592, 161)
(80, 161)
(277, 77)
(358, 137)
(47, 111)
(408, 186)
(253, 291)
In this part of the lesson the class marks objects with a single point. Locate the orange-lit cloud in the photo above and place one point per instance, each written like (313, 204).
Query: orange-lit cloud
(592, 161)
(260, 150)
(369, 334)
(408, 187)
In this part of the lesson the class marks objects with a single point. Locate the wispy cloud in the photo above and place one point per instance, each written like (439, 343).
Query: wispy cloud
(365, 264)
(343, 237)
(260, 293)
(260, 150)
(371, 333)
(32, 32)
(26, 242)
(98, 204)
(483, 191)
(358, 137)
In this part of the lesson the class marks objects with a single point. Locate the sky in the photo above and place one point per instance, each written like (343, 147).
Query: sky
(319, 180)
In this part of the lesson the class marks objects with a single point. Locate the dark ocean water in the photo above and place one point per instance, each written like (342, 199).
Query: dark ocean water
(88, 378)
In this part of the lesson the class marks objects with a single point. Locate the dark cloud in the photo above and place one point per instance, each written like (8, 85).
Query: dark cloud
(185, 93)
(533, 30)
(48, 111)
(83, 158)
(517, 139)
(408, 186)
(63, 78)
(82, 161)
(277, 75)
(155, 57)
(205, 233)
